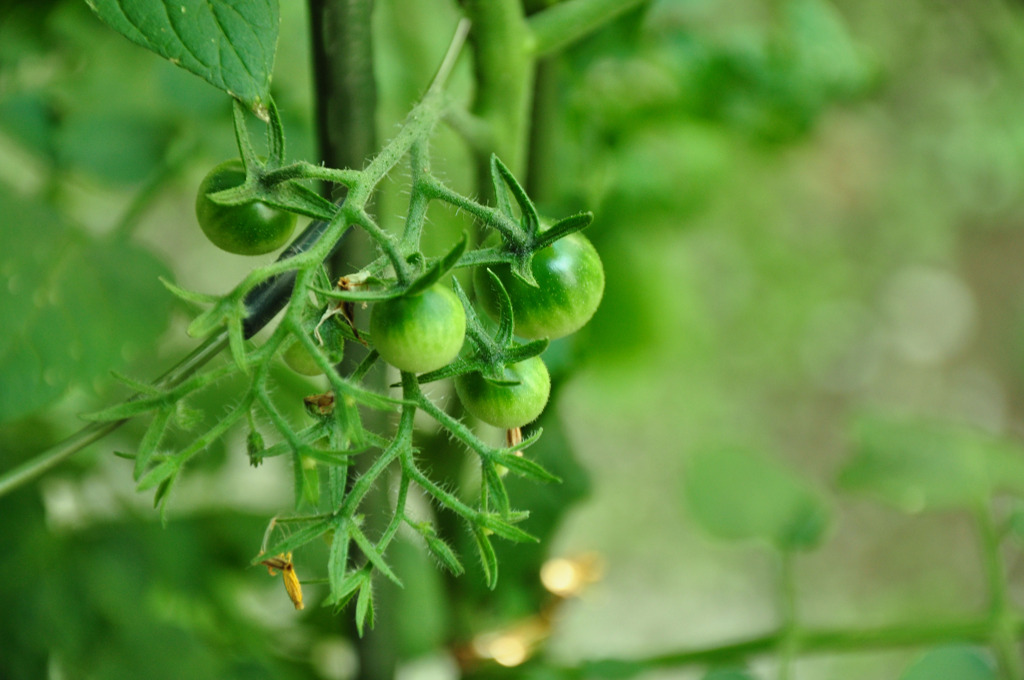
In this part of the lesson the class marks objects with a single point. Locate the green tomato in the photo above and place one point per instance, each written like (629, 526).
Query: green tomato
(570, 282)
(507, 406)
(419, 333)
(300, 360)
(250, 229)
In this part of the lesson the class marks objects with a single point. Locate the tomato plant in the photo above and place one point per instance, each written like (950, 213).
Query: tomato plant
(570, 283)
(253, 228)
(300, 360)
(512, 403)
(421, 332)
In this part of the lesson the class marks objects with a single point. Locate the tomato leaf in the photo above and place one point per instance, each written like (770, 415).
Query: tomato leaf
(952, 663)
(921, 465)
(373, 554)
(525, 467)
(531, 220)
(74, 307)
(337, 557)
(441, 550)
(563, 228)
(727, 674)
(296, 539)
(488, 558)
(438, 269)
(364, 605)
(150, 441)
(229, 43)
(737, 495)
(496, 488)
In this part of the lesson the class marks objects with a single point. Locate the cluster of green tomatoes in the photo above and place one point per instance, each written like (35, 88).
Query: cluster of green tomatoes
(424, 332)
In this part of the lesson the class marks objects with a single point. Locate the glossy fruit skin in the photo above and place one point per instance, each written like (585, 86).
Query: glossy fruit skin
(507, 406)
(251, 229)
(570, 281)
(419, 333)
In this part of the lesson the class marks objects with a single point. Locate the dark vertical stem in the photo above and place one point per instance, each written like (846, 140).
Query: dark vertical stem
(345, 93)
(541, 164)
(346, 110)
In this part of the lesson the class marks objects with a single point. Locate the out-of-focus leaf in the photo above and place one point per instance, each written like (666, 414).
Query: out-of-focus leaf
(738, 495)
(728, 674)
(73, 307)
(951, 663)
(920, 465)
(827, 58)
(119, 147)
(228, 43)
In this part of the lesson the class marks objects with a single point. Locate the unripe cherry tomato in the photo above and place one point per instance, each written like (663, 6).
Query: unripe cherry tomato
(507, 406)
(570, 281)
(419, 333)
(250, 229)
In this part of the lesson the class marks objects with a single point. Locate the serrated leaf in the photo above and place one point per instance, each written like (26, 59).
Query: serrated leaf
(364, 606)
(920, 465)
(534, 348)
(73, 306)
(457, 367)
(496, 489)
(188, 295)
(527, 208)
(310, 482)
(525, 467)
(500, 192)
(144, 388)
(228, 43)
(299, 199)
(739, 495)
(440, 267)
(951, 663)
(347, 589)
(297, 539)
(506, 318)
(127, 409)
(488, 558)
(727, 674)
(442, 551)
(506, 530)
(337, 557)
(150, 441)
(563, 228)
(522, 268)
(373, 555)
(159, 474)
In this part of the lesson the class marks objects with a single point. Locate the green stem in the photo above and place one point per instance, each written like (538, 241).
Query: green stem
(789, 645)
(504, 82)
(1004, 635)
(152, 187)
(346, 102)
(559, 25)
(812, 642)
(36, 467)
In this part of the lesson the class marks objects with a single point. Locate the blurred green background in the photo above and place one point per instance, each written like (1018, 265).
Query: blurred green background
(810, 214)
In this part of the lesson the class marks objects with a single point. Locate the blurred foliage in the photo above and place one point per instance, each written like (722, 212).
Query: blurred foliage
(951, 663)
(808, 210)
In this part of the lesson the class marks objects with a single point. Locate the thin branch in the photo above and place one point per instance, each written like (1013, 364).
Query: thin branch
(560, 25)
